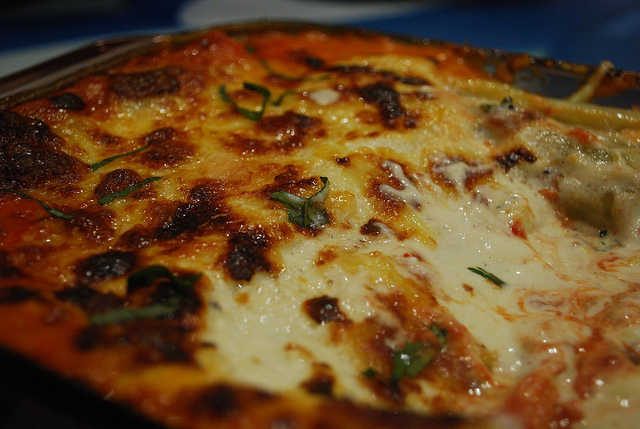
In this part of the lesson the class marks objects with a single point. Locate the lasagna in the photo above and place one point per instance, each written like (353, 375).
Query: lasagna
(311, 227)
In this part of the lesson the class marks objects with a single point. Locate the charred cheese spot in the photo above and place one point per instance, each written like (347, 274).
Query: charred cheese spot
(512, 158)
(218, 400)
(16, 294)
(68, 101)
(115, 181)
(302, 56)
(90, 300)
(168, 149)
(277, 134)
(324, 309)
(358, 71)
(7, 269)
(291, 181)
(224, 400)
(204, 205)
(103, 138)
(105, 266)
(314, 62)
(244, 145)
(29, 157)
(373, 227)
(93, 224)
(321, 381)
(289, 129)
(149, 341)
(146, 84)
(138, 237)
(247, 254)
(387, 100)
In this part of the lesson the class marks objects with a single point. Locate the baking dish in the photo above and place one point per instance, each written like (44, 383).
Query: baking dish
(606, 85)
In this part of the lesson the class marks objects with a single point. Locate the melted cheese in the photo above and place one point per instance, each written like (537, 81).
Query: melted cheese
(429, 188)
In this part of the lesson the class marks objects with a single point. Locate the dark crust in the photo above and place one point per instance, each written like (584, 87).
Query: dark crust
(225, 403)
(383, 96)
(16, 294)
(324, 309)
(29, 155)
(512, 158)
(146, 84)
(7, 270)
(94, 224)
(89, 299)
(372, 227)
(149, 340)
(290, 129)
(104, 266)
(247, 254)
(204, 205)
(115, 181)
(68, 101)
(383, 74)
(167, 149)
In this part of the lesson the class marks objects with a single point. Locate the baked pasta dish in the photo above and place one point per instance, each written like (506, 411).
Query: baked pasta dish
(307, 227)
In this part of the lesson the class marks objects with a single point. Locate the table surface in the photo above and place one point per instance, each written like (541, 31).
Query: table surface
(583, 31)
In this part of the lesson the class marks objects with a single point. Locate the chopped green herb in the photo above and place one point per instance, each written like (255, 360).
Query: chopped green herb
(284, 94)
(268, 68)
(142, 278)
(147, 275)
(123, 314)
(106, 161)
(126, 191)
(411, 360)
(49, 209)
(254, 115)
(305, 212)
(486, 107)
(487, 275)
(441, 334)
(369, 373)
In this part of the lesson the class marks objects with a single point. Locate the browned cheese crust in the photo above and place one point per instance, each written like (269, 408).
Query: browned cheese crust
(144, 251)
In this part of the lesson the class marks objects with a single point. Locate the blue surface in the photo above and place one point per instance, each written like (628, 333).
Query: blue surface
(131, 17)
(584, 31)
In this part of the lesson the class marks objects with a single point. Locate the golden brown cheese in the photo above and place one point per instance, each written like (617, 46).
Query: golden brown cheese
(470, 258)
